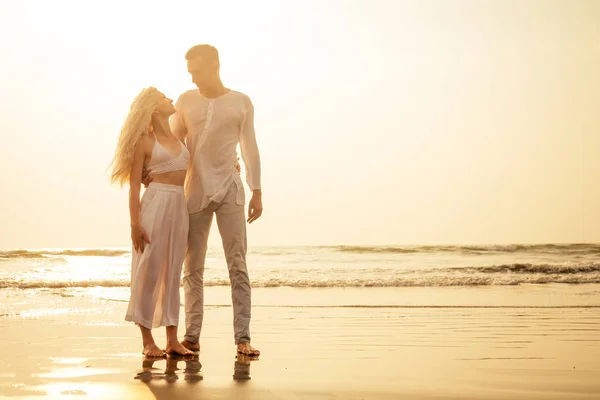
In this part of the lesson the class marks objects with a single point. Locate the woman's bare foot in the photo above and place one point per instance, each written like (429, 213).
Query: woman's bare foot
(178, 348)
(152, 350)
(246, 349)
(191, 346)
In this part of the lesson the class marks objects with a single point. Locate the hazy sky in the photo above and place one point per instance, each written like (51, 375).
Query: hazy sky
(379, 122)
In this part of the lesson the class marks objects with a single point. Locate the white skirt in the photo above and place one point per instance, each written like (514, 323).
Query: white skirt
(156, 273)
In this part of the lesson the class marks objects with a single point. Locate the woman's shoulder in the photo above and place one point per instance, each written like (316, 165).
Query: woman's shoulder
(146, 142)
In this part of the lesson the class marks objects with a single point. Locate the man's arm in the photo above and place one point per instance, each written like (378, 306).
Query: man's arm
(251, 157)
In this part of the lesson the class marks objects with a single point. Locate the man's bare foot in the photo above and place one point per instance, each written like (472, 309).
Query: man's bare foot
(191, 346)
(152, 350)
(178, 348)
(246, 349)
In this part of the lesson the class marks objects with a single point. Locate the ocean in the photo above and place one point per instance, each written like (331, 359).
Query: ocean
(69, 281)
(324, 266)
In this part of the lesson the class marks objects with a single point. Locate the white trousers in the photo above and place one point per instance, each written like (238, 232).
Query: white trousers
(156, 273)
(232, 227)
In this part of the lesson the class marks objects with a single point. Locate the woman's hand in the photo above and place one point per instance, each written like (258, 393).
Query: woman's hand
(139, 238)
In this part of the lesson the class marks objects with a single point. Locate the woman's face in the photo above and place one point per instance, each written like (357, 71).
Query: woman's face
(164, 105)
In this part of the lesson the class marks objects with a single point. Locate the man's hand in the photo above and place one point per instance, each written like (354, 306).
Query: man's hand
(146, 178)
(255, 207)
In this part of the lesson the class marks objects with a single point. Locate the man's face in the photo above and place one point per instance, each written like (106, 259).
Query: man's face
(202, 70)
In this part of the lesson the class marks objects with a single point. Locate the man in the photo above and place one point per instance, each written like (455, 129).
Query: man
(212, 120)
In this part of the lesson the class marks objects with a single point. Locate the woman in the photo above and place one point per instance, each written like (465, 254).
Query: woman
(159, 223)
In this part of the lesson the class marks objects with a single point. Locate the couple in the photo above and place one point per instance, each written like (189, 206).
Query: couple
(189, 166)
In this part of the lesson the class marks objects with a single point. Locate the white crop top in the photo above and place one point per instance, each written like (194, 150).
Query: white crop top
(162, 161)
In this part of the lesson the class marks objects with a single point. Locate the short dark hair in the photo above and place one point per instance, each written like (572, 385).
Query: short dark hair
(203, 50)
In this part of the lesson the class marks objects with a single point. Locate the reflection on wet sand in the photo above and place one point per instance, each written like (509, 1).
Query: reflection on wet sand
(241, 368)
(191, 371)
(178, 378)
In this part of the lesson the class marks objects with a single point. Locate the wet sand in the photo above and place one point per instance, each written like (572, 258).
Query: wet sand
(450, 349)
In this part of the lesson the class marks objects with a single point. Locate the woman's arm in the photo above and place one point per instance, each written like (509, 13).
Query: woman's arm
(138, 235)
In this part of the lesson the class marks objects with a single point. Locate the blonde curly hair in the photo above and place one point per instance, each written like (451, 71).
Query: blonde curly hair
(138, 122)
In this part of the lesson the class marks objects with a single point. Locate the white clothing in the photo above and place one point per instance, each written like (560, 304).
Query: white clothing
(232, 227)
(212, 129)
(156, 273)
(162, 161)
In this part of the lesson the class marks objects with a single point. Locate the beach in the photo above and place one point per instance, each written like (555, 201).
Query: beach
(408, 188)
(507, 342)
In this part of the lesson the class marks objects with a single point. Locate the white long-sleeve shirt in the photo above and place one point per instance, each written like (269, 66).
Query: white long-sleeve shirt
(212, 129)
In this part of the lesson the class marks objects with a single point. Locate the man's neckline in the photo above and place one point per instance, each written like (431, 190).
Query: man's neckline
(213, 98)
